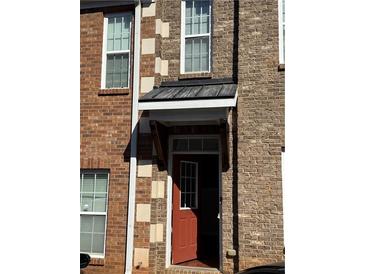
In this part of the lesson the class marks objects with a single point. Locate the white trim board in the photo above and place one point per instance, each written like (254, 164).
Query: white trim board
(188, 104)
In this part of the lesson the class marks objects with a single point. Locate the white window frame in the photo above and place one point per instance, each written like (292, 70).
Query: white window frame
(95, 172)
(183, 38)
(196, 186)
(281, 33)
(106, 52)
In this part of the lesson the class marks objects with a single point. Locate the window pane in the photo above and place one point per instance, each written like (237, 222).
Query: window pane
(189, 7)
(98, 243)
(188, 25)
(86, 223)
(125, 42)
(126, 32)
(180, 145)
(85, 242)
(87, 202)
(196, 25)
(195, 145)
(100, 203)
(88, 185)
(204, 28)
(187, 203)
(210, 144)
(193, 200)
(182, 202)
(99, 224)
(101, 182)
(205, 8)
(110, 34)
(188, 55)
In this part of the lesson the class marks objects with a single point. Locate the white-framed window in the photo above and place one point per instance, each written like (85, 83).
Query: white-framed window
(188, 185)
(93, 211)
(282, 31)
(116, 50)
(195, 36)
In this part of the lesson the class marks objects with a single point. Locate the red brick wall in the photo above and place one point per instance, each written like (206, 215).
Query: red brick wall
(104, 137)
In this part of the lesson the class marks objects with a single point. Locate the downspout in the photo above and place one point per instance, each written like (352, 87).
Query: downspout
(134, 135)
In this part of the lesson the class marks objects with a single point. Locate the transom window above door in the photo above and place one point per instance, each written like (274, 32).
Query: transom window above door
(116, 50)
(195, 36)
(195, 144)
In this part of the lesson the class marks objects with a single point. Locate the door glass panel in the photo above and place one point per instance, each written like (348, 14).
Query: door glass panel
(188, 184)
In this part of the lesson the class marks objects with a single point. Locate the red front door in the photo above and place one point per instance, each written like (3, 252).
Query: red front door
(185, 209)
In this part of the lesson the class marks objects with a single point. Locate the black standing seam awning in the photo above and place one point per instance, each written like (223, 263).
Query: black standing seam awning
(192, 90)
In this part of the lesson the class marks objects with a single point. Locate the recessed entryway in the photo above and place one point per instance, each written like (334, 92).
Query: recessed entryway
(195, 205)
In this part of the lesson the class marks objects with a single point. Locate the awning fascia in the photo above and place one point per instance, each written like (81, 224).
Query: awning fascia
(189, 104)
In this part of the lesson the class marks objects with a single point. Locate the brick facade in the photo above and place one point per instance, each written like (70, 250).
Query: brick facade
(244, 47)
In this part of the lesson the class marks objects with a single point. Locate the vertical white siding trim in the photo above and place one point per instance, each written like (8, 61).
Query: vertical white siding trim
(182, 38)
(134, 135)
(281, 38)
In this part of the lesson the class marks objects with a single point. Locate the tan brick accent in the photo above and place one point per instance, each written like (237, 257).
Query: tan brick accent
(158, 189)
(141, 257)
(158, 26)
(143, 213)
(148, 46)
(164, 67)
(149, 10)
(165, 30)
(156, 233)
(144, 168)
(147, 84)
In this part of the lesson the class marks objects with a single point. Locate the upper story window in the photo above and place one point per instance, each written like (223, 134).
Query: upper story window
(195, 36)
(93, 209)
(116, 50)
(282, 31)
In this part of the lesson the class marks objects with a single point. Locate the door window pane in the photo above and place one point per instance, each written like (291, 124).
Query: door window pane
(188, 186)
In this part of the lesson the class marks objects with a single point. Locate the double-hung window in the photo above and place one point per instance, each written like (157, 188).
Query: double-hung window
(282, 31)
(93, 211)
(195, 36)
(116, 50)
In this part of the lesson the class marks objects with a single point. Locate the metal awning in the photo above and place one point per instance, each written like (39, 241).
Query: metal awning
(189, 94)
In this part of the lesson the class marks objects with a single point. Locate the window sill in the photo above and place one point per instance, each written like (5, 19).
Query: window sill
(114, 91)
(97, 261)
(195, 75)
(281, 67)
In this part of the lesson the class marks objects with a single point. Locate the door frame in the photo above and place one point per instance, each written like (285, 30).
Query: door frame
(169, 191)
